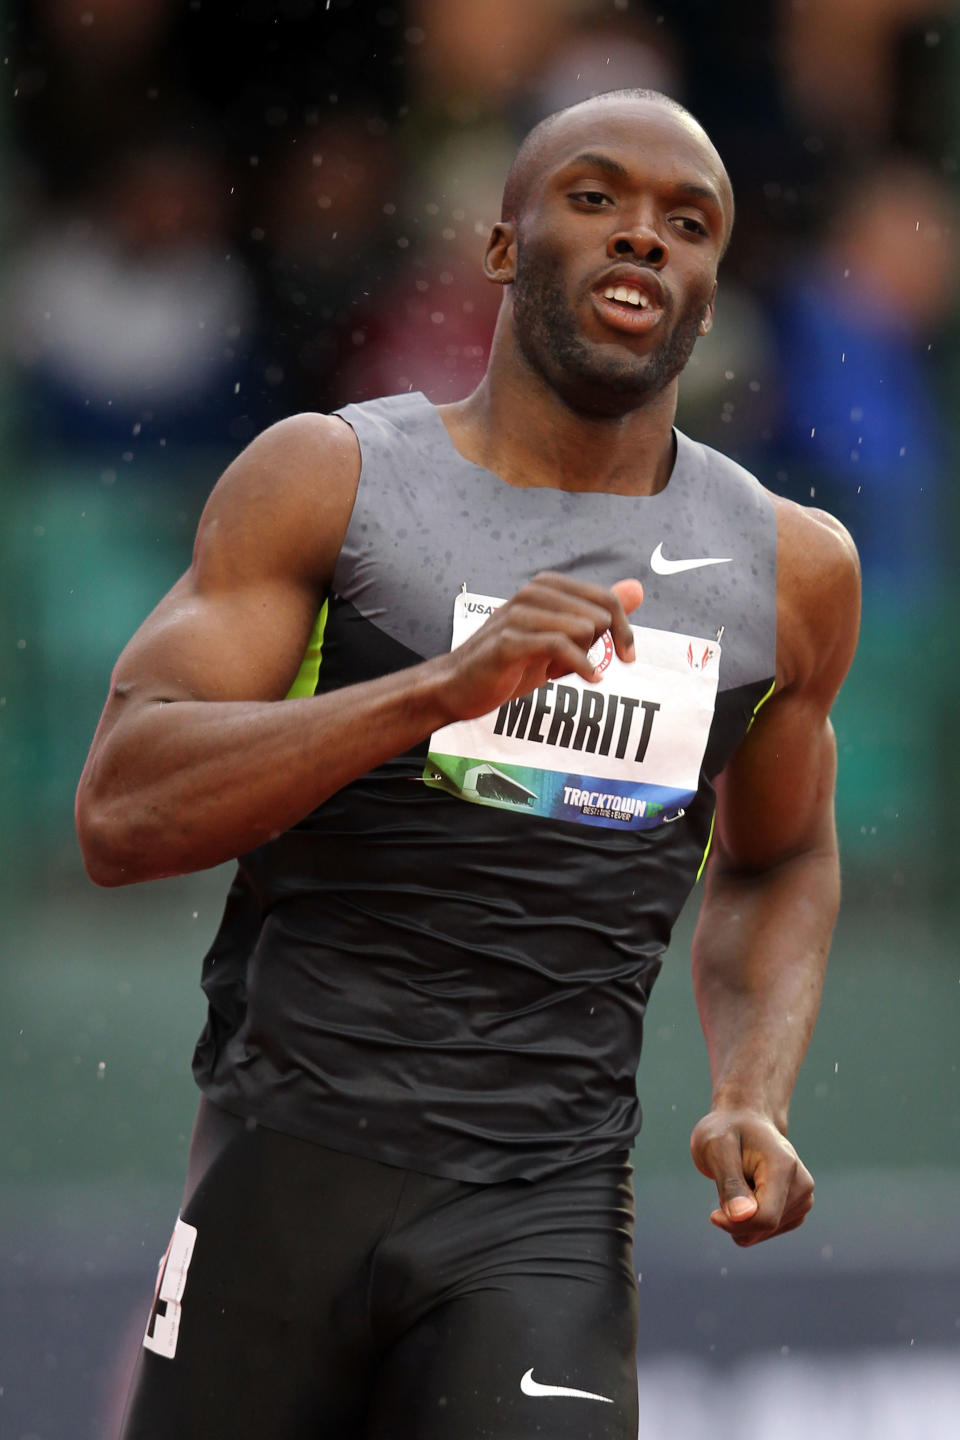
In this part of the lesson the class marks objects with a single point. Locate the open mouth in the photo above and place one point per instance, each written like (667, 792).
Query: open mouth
(624, 295)
(628, 309)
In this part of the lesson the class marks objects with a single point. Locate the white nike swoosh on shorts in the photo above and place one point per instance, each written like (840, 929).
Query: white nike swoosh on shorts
(660, 565)
(529, 1386)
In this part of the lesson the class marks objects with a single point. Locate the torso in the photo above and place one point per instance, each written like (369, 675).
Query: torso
(449, 986)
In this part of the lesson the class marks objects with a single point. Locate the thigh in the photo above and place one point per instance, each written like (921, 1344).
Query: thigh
(238, 1375)
(259, 1327)
(538, 1335)
(549, 1358)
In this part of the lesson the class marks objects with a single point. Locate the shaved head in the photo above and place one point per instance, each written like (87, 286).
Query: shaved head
(534, 151)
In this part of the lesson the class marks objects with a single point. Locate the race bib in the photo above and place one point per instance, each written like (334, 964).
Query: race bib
(624, 752)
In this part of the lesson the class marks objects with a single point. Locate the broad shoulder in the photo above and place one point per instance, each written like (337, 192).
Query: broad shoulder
(305, 460)
(284, 502)
(818, 596)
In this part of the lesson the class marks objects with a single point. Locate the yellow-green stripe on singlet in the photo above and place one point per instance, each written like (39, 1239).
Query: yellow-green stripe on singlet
(713, 820)
(761, 702)
(706, 848)
(307, 675)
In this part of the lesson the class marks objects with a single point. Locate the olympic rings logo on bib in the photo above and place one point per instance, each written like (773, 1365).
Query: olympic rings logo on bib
(601, 652)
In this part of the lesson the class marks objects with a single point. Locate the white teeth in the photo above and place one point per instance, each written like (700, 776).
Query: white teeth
(626, 296)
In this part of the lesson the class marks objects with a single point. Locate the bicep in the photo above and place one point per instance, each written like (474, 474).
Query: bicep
(236, 625)
(238, 643)
(775, 797)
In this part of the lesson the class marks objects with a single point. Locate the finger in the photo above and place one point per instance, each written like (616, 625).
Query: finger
(536, 631)
(629, 595)
(783, 1186)
(798, 1207)
(747, 1238)
(583, 617)
(772, 1217)
(771, 1202)
(721, 1159)
(747, 1232)
(791, 1224)
(740, 1211)
(582, 589)
(541, 610)
(548, 656)
(584, 612)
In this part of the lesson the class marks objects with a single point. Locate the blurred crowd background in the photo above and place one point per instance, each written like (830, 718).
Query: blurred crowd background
(218, 213)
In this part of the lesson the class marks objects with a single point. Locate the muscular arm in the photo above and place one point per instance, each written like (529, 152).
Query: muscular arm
(773, 888)
(198, 757)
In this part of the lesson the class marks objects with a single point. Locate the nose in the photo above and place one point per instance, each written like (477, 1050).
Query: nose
(642, 241)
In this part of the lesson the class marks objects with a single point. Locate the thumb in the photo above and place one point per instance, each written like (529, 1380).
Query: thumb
(629, 593)
(737, 1200)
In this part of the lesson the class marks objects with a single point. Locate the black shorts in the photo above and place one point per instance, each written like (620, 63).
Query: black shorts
(314, 1295)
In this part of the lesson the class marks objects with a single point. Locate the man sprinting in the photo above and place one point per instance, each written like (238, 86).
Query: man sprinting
(475, 693)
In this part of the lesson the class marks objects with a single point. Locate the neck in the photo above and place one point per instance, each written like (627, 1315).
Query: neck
(518, 426)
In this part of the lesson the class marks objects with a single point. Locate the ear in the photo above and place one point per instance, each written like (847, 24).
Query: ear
(706, 322)
(500, 260)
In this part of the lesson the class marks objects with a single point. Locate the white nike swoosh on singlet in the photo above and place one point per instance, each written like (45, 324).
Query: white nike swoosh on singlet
(660, 565)
(529, 1386)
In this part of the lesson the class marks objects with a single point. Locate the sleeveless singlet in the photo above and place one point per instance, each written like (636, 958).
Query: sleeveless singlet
(459, 988)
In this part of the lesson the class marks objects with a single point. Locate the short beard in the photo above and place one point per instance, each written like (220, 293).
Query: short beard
(591, 378)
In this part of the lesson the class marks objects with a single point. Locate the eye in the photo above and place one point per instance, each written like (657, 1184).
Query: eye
(593, 199)
(690, 224)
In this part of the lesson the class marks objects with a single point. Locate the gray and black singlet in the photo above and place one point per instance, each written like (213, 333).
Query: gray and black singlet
(442, 986)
